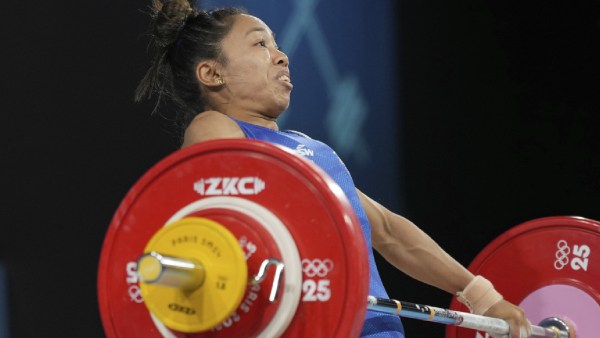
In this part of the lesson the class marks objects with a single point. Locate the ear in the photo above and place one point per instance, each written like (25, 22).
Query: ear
(208, 73)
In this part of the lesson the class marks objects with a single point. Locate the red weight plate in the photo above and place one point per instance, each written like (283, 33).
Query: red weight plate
(550, 267)
(303, 197)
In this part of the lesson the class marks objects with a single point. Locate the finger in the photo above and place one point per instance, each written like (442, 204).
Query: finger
(523, 332)
(515, 331)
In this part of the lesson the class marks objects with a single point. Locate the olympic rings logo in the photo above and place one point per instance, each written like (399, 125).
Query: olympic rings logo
(317, 267)
(562, 254)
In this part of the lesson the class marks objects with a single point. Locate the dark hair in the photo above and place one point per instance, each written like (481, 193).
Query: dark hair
(183, 35)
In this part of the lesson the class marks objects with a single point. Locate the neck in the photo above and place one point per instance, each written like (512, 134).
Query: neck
(256, 118)
(250, 116)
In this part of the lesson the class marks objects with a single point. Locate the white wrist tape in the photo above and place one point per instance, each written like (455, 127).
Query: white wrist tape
(479, 296)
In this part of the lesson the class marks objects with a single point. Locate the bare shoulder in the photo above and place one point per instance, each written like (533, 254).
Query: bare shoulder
(211, 125)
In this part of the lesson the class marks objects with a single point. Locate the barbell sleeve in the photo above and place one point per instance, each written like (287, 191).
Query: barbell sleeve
(154, 268)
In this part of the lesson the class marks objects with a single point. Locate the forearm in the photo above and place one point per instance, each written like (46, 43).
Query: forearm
(413, 252)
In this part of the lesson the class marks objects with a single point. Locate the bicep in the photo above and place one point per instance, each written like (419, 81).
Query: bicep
(388, 228)
(378, 218)
(211, 125)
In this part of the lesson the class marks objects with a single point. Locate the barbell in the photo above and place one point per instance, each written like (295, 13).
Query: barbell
(244, 238)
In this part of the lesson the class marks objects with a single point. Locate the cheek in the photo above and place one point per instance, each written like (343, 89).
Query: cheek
(249, 76)
(252, 67)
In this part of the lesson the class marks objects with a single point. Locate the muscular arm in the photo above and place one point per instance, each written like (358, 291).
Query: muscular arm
(411, 250)
(211, 125)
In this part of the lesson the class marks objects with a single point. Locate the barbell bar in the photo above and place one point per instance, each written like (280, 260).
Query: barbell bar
(188, 274)
(551, 327)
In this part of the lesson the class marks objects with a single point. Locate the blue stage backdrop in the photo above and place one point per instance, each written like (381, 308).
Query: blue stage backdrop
(343, 64)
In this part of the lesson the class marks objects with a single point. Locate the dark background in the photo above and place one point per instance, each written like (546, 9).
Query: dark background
(499, 108)
(500, 121)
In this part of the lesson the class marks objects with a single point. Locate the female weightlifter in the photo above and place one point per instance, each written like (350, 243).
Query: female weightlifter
(225, 73)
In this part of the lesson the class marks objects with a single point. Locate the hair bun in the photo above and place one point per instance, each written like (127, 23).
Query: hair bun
(169, 18)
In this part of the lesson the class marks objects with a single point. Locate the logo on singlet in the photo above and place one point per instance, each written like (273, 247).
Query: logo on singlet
(221, 186)
(303, 151)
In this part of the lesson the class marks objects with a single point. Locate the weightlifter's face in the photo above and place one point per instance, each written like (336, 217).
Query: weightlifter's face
(256, 74)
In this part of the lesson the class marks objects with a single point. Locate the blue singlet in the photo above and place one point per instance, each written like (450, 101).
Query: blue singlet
(377, 325)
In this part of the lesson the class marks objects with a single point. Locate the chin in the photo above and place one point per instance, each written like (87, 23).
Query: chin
(284, 104)
(279, 108)
(276, 115)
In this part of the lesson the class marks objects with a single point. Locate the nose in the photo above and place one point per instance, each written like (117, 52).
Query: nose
(280, 58)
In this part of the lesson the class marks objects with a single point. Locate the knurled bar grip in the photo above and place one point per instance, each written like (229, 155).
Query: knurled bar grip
(445, 316)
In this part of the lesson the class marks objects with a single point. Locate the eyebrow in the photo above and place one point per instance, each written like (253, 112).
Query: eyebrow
(258, 29)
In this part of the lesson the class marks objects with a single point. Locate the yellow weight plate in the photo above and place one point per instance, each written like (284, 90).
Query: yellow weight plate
(226, 275)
